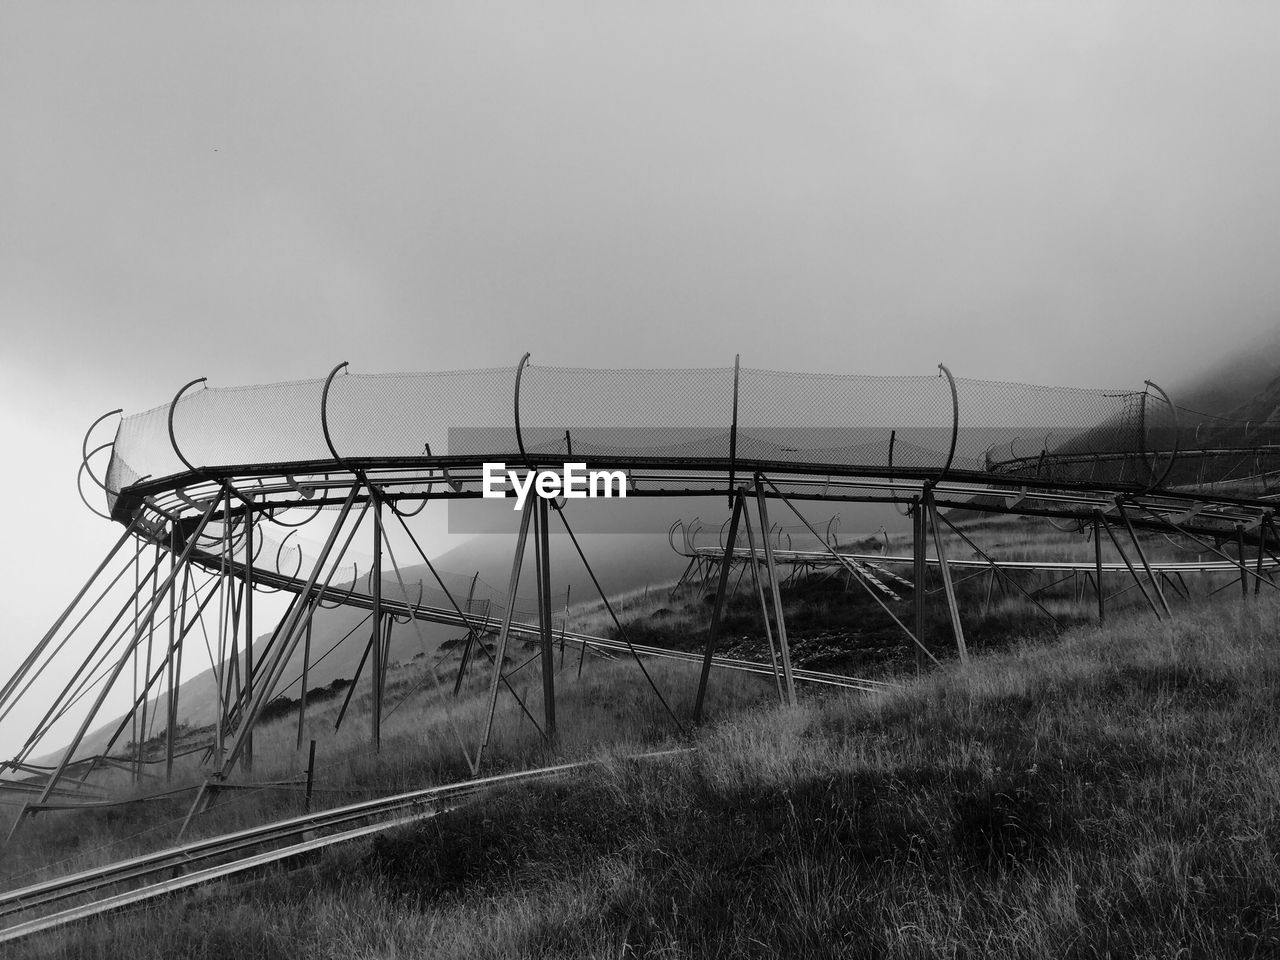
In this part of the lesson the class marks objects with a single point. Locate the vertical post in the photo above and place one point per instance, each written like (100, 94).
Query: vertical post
(1262, 552)
(1244, 563)
(376, 641)
(1097, 565)
(733, 432)
(311, 776)
(920, 572)
(764, 607)
(247, 693)
(500, 654)
(543, 566)
(302, 697)
(787, 679)
(947, 585)
(716, 611)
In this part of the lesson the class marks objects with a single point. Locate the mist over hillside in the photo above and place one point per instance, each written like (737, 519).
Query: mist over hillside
(1232, 386)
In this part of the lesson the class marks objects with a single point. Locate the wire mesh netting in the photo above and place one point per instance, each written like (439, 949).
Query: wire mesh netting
(869, 425)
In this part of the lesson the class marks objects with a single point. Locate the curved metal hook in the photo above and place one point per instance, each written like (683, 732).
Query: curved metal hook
(520, 436)
(173, 440)
(1173, 454)
(280, 549)
(691, 533)
(85, 463)
(832, 524)
(84, 468)
(671, 534)
(355, 577)
(407, 514)
(324, 411)
(86, 453)
(955, 420)
(417, 603)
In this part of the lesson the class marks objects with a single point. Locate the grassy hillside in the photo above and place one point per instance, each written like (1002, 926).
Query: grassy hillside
(1112, 793)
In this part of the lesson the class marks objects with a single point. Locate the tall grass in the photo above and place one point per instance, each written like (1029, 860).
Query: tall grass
(1111, 794)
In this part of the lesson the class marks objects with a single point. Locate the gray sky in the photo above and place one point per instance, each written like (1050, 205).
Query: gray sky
(1077, 193)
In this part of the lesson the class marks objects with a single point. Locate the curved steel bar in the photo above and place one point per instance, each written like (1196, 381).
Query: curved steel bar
(301, 523)
(324, 411)
(84, 468)
(1173, 454)
(406, 514)
(173, 440)
(350, 593)
(280, 549)
(955, 420)
(403, 618)
(520, 436)
(86, 453)
(671, 534)
(832, 525)
(724, 528)
(88, 469)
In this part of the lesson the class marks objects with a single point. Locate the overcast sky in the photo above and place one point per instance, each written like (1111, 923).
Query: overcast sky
(1076, 193)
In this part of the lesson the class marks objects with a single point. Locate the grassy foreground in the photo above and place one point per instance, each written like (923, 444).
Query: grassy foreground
(1113, 794)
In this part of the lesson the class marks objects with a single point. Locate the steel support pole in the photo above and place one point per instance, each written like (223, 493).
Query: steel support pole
(1137, 545)
(787, 679)
(1244, 564)
(375, 640)
(33, 657)
(764, 607)
(919, 518)
(1129, 565)
(501, 653)
(718, 609)
(120, 664)
(544, 617)
(288, 631)
(1097, 565)
(473, 637)
(247, 693)
(945, 570)
(302, 697)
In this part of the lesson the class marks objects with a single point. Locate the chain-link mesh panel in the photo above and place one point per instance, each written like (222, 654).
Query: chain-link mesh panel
(1227, 455)
(274, 423)
(685, 414)
(402, 414)
(872, 425)
(1057, 434)
(855, 421)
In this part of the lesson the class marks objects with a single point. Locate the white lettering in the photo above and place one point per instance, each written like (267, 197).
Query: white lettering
(575, 483)
(522, 490)
(548, 485)
(609, 477)
(493, 476)
(574, 477)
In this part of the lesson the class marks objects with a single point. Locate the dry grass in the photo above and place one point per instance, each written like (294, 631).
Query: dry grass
(1113, 794)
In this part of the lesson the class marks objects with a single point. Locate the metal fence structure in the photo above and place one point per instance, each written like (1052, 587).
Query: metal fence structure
(211, 487)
